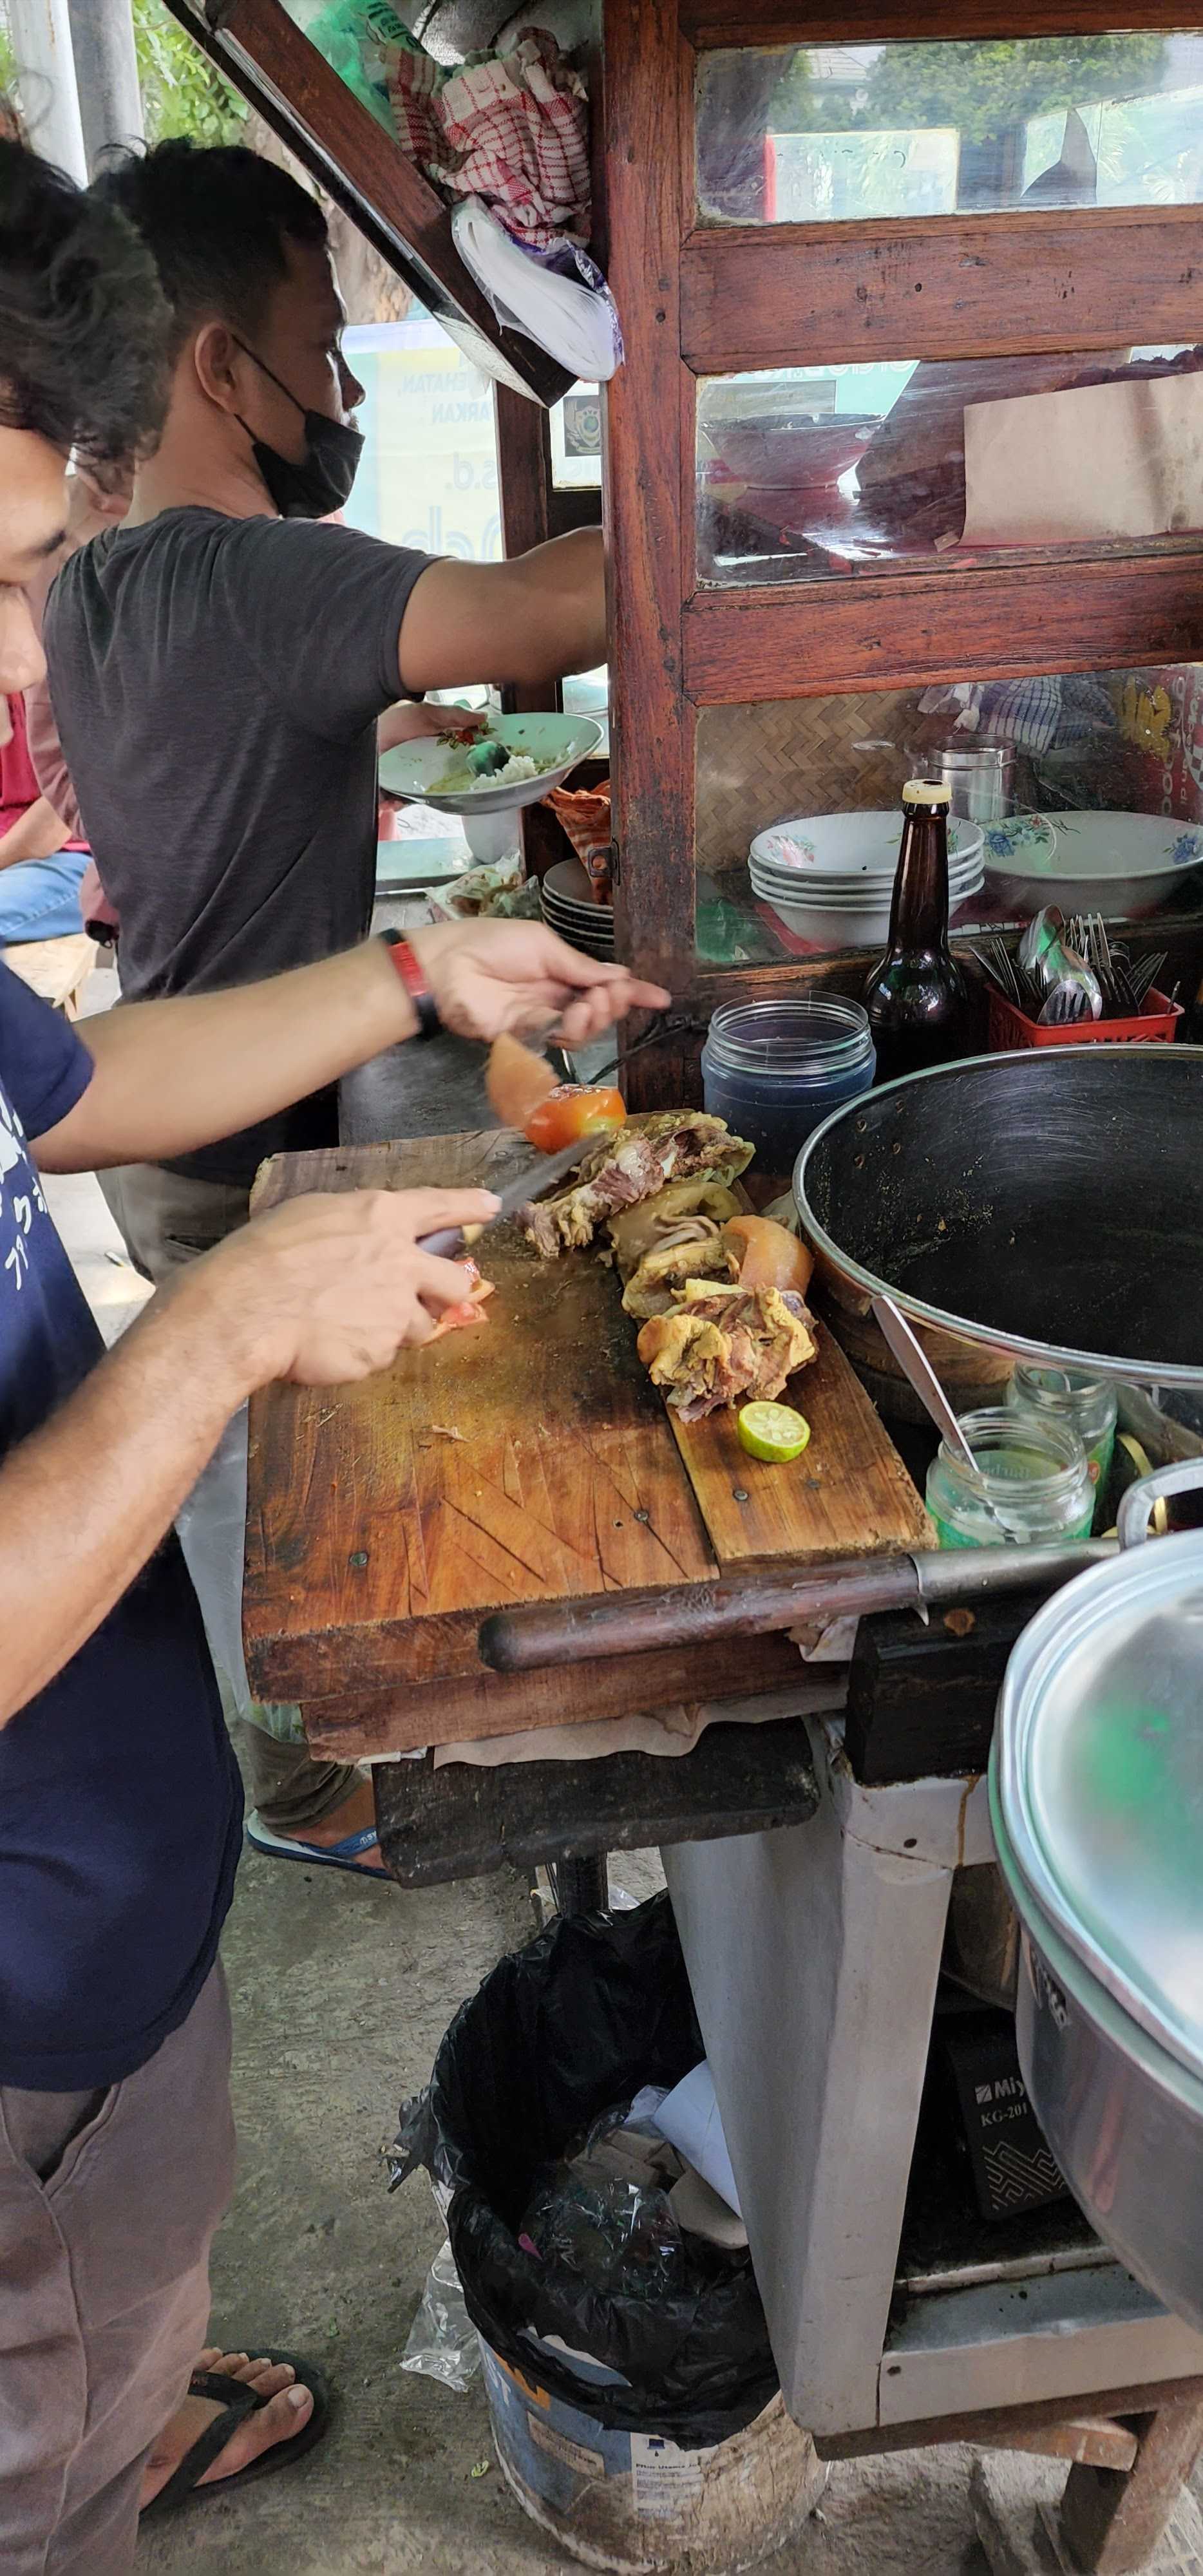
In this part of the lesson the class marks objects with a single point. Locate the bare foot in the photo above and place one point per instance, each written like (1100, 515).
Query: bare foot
(290, 2408)
(355, 1814)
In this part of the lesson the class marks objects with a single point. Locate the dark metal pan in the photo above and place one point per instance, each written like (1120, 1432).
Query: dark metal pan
(1047, 1204)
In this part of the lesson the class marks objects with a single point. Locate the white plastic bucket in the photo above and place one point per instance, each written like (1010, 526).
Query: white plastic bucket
(639, 2505)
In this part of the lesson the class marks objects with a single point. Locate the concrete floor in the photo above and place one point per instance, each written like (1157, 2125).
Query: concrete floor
(341, 1992)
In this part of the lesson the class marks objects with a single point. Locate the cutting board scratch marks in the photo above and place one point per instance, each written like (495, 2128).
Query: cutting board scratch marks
(487, 1549)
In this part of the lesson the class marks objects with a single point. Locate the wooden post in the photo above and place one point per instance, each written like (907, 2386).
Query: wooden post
(1111, 2522)
(646, 75)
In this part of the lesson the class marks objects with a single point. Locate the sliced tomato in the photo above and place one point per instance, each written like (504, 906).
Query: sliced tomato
(769, 1256)
(453, 1318)
(516, 1080)
(571, 1112)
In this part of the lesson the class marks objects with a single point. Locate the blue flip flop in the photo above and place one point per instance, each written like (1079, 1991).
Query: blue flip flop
(343, 1855)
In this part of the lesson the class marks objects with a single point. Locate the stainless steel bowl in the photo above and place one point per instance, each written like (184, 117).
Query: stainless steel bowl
(1096, 1789)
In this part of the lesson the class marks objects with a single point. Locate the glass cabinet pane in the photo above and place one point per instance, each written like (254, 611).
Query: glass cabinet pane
(1084, 788)
(842, 133)
(814, 473)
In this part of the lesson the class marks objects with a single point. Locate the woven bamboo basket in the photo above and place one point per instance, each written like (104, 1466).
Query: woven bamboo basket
(756, 765)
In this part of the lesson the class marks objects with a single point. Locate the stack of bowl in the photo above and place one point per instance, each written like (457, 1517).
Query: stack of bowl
(829, 877)
(568, 907)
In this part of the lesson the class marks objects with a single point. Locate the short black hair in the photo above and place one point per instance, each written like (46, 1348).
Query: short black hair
(215, 220)
(83, 322)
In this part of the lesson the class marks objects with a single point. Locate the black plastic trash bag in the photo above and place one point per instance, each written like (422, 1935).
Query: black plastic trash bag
(592, 2010)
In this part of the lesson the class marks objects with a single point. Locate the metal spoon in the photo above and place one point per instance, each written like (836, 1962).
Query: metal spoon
(1054, 964)
(917, 1368)
(1042, 935)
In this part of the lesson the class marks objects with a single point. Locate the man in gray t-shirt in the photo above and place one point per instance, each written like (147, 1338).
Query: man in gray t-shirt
(217, 669)
(218, 664)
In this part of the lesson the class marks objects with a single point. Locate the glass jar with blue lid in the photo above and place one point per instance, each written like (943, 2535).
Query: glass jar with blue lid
(775, 1069)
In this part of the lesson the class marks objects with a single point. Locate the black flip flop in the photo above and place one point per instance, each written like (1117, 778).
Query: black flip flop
(237, 2401)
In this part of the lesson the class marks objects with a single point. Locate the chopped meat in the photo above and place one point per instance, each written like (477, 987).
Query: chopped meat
(721, 1346)
(689, 1211)
(620, 1171)
(651, 1288)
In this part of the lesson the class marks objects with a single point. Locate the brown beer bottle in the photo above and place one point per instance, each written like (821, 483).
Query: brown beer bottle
(915, 996)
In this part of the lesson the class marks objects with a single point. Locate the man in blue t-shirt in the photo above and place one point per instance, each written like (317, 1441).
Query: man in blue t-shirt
(119, 1799)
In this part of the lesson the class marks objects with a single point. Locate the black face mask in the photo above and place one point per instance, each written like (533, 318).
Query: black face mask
(321, 483)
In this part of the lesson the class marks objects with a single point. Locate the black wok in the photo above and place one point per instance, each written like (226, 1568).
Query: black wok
(1048, 1205)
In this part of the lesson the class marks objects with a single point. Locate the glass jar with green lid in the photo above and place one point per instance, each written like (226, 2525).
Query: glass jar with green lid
(1034, 1472)
(1068, 1395)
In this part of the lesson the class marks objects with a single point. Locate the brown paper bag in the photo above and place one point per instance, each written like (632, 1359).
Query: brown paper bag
(1116, 460)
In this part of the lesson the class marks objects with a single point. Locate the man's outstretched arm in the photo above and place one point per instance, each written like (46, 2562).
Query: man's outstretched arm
(174, 1075)
(528, 621)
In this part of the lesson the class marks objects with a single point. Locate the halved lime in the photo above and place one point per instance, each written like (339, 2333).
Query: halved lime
(773, 1432)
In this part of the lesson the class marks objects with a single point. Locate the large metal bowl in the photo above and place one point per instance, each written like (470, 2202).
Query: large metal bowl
(1046, 1205)
(1096, 1799)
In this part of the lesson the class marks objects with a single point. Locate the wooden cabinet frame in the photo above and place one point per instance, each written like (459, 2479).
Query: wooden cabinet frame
(701, 300)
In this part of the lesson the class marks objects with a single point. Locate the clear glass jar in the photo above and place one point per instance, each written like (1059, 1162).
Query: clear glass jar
(775, 1069)
(1035, 1473)
(1068, 1395)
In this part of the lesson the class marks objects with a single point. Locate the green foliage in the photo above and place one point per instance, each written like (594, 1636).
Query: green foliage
(182, 93)
(981, 89)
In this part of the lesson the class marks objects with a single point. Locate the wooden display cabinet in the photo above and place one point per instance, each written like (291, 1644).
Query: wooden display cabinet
(701, 299)
(790, 680)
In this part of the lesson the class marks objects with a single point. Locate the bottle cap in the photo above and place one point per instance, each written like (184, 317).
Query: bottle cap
(924, 791)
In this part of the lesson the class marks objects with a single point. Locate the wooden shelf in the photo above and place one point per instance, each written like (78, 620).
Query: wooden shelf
(727, 23)
(265, 55)
(905, 630)
(792, 295)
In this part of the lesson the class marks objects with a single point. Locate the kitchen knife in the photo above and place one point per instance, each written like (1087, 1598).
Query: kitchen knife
(541, 1177)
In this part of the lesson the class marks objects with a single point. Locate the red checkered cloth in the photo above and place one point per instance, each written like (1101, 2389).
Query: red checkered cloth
(511, 128)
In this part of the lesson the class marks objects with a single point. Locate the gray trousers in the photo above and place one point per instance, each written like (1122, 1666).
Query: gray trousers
(109, 2203)
(166, 1222)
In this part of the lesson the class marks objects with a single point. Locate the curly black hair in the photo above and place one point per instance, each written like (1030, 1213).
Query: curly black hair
(83, 322)
(216, 220)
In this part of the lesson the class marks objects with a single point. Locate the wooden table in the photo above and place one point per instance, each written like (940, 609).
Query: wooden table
(529, 1460)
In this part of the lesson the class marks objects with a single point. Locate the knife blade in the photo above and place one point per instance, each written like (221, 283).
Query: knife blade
(535, 1183)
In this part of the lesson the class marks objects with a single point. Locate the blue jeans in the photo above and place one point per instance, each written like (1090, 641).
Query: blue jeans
(39, 898)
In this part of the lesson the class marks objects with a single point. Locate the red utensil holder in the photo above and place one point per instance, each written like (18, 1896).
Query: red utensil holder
(1010, 1027)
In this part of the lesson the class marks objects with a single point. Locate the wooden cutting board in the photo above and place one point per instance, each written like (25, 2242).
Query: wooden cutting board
(529, 1458)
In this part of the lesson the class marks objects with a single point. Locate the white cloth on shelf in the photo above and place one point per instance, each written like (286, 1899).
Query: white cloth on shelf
(558, 298)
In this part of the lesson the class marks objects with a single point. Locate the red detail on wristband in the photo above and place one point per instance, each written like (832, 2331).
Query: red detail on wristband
(408, 968)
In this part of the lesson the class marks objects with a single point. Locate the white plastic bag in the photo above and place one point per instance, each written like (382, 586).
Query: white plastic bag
(443, 2344)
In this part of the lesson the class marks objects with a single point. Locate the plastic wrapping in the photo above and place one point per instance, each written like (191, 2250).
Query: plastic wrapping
(582, 2018)
(443, 2343)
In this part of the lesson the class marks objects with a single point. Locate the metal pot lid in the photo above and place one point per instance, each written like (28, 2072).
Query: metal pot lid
(1099, 1773)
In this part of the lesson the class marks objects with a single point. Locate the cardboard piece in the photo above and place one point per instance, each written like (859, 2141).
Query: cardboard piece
(1115, 460)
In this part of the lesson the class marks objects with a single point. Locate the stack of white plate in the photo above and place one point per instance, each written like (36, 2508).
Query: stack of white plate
(829, 877)
(569, 908)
